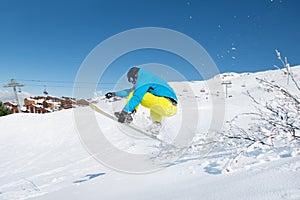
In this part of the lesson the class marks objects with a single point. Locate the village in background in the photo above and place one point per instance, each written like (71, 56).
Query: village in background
(40, 104)
(45, 104)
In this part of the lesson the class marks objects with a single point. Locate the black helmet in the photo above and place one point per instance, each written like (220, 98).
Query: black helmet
(132, 72)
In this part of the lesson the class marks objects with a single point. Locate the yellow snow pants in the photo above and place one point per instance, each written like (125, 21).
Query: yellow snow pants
(159, 106)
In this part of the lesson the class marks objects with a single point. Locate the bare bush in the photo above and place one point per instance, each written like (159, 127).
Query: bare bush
(274, 123)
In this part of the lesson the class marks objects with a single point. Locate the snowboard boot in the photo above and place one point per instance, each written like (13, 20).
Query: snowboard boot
(128, 118)
(155, 128)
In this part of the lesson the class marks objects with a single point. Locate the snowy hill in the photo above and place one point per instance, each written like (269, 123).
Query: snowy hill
(10, 96)
(44, 157)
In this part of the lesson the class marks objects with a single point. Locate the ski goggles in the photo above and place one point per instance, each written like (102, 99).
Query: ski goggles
(130, 79)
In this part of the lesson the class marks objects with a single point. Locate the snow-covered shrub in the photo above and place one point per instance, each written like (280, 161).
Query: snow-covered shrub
(4, 110)
(275, 123)
(281, 115)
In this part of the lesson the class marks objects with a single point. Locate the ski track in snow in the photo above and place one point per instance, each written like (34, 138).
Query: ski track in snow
(42, 157)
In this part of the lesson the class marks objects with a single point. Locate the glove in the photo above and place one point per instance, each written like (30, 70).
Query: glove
(124, 117)
(110, 95)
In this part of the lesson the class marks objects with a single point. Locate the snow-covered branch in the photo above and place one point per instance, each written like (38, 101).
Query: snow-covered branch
(274, 123)
(287, 66)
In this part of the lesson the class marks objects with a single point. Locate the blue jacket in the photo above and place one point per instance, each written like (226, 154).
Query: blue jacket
(146, 82)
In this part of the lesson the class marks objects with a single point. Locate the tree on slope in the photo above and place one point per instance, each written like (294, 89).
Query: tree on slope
(4, 110)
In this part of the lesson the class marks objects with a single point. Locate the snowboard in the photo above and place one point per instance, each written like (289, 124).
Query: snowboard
(131, 126)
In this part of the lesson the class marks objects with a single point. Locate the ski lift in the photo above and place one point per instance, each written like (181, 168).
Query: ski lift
(19, 90)
(45, 90)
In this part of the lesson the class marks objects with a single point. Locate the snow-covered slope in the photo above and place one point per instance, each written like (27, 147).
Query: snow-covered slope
(42, 156)
(6, 95)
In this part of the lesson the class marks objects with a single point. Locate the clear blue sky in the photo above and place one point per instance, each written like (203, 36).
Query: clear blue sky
(44, 42)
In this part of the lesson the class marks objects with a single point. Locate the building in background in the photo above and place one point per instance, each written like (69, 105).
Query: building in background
(42, 104)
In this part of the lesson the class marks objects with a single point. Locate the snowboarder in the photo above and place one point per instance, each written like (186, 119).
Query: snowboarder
(149, 91)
